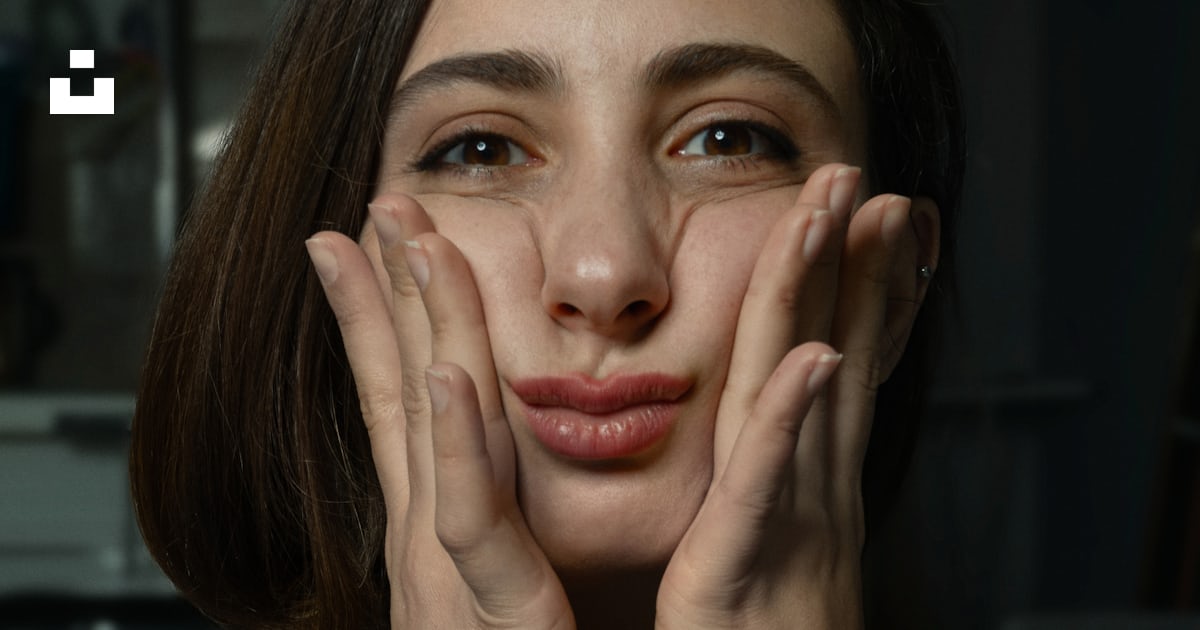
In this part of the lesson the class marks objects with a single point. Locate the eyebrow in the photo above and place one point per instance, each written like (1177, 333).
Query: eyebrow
(694, 63)
(511, 70)
(690, 64)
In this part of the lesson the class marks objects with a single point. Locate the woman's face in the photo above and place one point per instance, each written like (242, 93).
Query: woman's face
(610, 169)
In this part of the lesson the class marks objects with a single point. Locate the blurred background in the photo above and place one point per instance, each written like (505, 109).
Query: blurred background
(1057, 481)
(88, 211)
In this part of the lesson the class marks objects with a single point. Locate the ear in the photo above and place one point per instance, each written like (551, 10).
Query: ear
(918, 248)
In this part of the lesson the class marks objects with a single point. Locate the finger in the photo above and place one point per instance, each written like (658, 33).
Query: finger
(734, 514)
(871, 248)
(456, 316)
(392, 219)
(474, 515)
(790, 296)
(818, 296)
(412, 220)
(453, 328)
(460, 336)
(823, 189)
(370, 343)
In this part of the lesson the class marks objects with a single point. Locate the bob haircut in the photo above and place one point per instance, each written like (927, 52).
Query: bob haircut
(251, 470)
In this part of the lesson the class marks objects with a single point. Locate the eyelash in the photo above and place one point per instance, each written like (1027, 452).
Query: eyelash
(782, 149)
(431, 161)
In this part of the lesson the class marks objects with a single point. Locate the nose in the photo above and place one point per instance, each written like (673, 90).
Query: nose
(605, 270)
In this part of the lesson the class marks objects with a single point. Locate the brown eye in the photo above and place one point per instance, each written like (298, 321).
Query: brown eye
(485, 150)
(730, 140)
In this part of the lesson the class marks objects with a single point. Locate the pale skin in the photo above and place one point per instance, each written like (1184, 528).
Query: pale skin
(604, 227)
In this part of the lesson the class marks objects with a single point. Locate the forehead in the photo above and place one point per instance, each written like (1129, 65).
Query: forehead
(609, 42)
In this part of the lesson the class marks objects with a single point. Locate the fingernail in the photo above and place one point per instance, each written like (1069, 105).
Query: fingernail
(822, 370)
(814, 240)
(418, 263)
(323, 260)
(845, 185)
(439, 389)
(387, 226)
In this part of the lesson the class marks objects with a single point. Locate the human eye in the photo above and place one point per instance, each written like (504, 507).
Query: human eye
(474, 151)
(738, 139)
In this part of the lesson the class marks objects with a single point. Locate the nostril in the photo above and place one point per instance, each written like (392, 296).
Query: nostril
(566, 310)
(637, 308)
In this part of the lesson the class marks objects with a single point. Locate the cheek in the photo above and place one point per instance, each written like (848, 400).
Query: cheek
(716, 247)
(719, 249)
(500, 245)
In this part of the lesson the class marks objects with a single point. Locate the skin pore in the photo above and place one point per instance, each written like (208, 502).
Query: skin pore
(595, 189)
(649, 204)
(596, 326)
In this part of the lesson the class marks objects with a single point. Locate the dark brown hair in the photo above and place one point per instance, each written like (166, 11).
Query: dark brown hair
(916, 146)
(251, 470)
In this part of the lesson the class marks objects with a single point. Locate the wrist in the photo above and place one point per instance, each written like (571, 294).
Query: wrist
(834, 603)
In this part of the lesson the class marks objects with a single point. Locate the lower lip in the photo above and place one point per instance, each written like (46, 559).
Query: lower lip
(620, 434)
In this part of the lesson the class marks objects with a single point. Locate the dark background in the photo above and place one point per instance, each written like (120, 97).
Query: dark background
(1054, 472)
(1057, 471)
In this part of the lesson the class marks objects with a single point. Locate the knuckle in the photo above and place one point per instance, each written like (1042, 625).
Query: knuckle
(457, 541)
(785, 428)
(458, 532)
(743, 389)
(787, 297)
(415, 398)
(378, 408)
(877, 275)
(757, 500)
(350, 316)
(403, 285)
(441, 327)
(863, 368)
(417, 413)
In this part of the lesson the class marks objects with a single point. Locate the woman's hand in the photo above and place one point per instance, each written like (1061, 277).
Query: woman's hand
(458, 551)
(778, 540)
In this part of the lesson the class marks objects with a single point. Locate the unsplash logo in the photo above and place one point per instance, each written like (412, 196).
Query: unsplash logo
(102, 100)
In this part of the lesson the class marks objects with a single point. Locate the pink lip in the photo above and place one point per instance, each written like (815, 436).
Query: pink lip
(584, 418)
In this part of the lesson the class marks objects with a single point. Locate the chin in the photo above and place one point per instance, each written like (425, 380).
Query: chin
(604, 520)
(581, 554)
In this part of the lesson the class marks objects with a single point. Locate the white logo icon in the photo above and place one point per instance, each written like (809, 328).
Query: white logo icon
(102, 100)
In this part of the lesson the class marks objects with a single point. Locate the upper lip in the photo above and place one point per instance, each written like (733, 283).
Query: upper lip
(600, 396)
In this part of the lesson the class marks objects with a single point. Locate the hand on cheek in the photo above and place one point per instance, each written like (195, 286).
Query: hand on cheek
(777, 542)
(458, 551)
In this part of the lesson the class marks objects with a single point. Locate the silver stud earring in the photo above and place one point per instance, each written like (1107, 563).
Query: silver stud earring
(924, 272)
